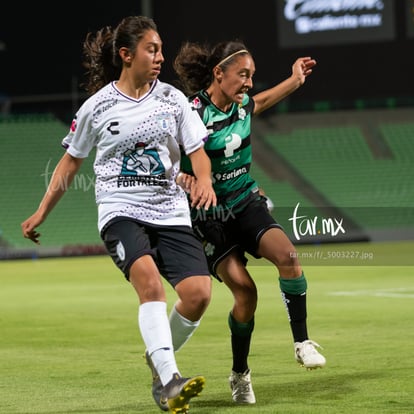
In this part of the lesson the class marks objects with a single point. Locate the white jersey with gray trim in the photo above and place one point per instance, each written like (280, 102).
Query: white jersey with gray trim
(137, 145)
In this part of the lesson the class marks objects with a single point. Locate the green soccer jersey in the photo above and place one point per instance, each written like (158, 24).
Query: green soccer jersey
(229, 149)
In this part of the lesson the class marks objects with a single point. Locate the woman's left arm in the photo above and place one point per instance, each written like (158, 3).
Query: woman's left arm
(300, 70)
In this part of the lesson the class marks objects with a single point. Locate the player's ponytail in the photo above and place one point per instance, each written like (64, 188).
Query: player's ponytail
(99, 60)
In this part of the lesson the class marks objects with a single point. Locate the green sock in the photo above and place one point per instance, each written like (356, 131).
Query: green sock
(241, 335)
(293, 286)
(294, 298)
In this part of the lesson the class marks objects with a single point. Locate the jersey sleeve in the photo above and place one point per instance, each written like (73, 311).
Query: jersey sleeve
(79, 141)
(192, 131)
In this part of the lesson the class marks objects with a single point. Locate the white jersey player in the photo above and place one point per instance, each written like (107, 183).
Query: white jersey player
(137, 151)
(137, 125)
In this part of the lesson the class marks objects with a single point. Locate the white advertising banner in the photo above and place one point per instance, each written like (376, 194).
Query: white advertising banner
(329, 22)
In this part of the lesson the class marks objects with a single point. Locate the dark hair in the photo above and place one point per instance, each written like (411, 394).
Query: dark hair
(101, 58)
(194, 63)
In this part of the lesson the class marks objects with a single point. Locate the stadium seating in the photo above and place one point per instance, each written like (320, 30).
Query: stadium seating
(336, 162)
(30, 148)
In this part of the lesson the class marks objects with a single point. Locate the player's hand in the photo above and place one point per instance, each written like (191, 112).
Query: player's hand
(202, 194)
(185, 181)
(29, 228)
(303, 68)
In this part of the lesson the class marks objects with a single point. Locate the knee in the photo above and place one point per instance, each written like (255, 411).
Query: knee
(197, 302)
(203, 299)
(245, 295)
(288, 258)
(287, 263)
(250, 292)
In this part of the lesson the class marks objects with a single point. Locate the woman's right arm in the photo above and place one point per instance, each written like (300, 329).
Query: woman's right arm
(60, 181)
(201, 192)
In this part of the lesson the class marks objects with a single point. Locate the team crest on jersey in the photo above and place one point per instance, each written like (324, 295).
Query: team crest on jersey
(242, 113)
(163, 122)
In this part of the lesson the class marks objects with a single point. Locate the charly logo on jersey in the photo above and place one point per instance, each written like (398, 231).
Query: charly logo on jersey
(113, 128)
(141, 166)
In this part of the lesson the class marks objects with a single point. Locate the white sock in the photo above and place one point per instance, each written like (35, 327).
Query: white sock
(181, 329)
(156, 334)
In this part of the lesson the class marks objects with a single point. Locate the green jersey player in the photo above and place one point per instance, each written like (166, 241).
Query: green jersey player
(218, 80)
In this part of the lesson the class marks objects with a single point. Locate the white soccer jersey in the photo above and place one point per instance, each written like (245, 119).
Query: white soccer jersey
(137, 151)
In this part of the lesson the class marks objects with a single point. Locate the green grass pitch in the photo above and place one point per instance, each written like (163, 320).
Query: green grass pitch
(70, 344)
